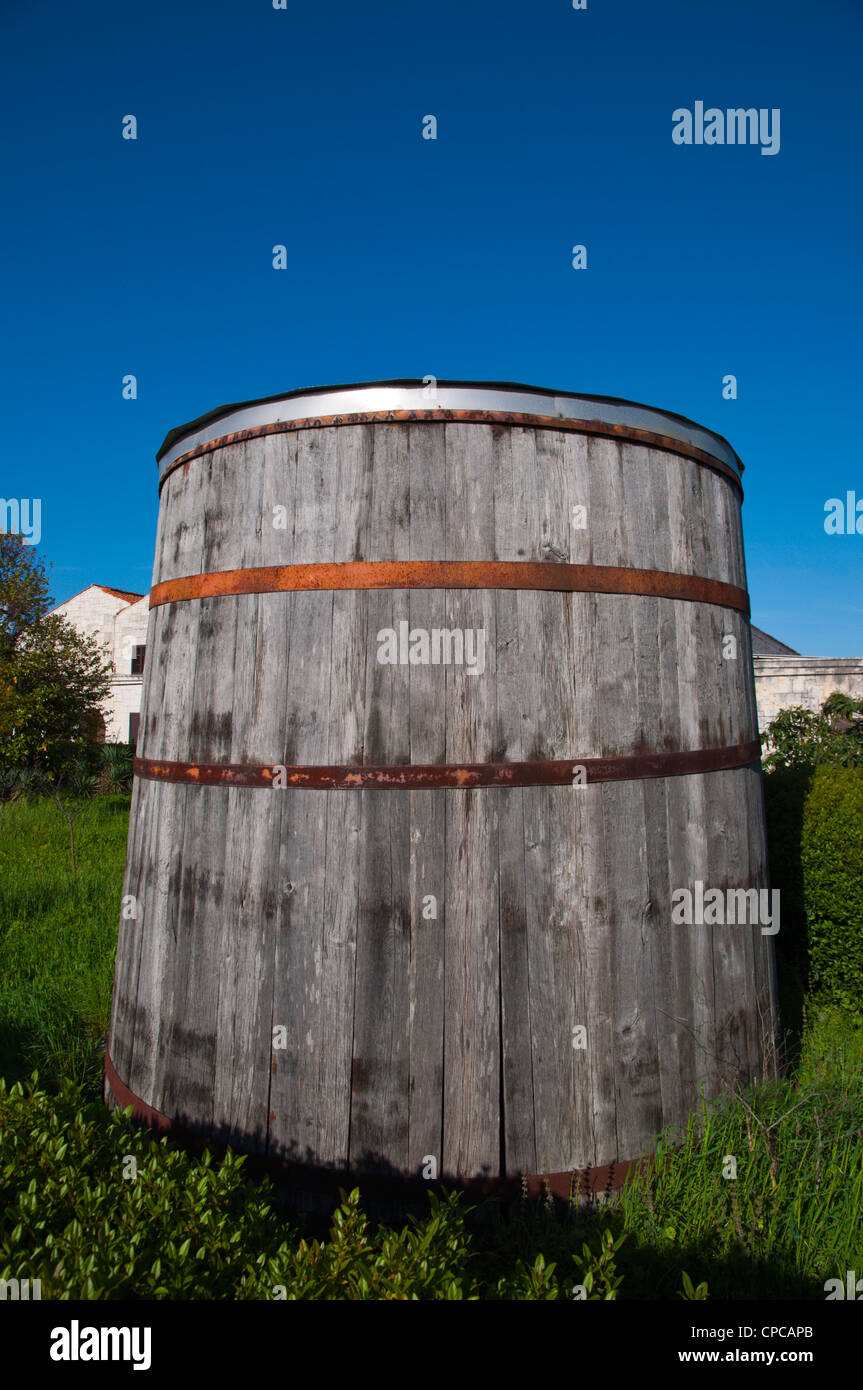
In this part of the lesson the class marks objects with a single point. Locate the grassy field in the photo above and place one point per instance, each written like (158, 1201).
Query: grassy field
(790, 1220)
(58, 932)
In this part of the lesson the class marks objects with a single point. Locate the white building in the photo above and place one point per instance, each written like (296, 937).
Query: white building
(118, 621)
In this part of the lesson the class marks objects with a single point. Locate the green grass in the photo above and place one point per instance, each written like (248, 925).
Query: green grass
(58, 933)
(792, 1217)
(789, 1221)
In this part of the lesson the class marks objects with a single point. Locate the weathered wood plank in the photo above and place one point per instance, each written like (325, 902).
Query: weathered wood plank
(380, 1078)
(349, 468)
(472, 1137)
(294, 1117)
(512, 511)
(428, 892)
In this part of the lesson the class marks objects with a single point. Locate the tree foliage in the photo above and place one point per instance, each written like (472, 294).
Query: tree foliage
(24, 596)
(831, 736)
(52, 678)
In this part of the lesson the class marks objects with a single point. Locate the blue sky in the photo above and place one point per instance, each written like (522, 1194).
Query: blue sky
(410, 257)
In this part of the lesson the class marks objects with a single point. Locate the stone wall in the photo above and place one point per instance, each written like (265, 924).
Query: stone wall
(781, 681)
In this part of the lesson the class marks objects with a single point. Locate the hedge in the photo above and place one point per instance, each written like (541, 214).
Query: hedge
(832, 868)
(785, 792)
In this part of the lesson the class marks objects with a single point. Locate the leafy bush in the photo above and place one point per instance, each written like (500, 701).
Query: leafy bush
(841, 705)
(73, 1216)
(18, 783)
(114, 767)
(90, 770)
(785, 791)
(70, 1218)
(801, 741)
(800, 737)
(52, 685)
(832, 868)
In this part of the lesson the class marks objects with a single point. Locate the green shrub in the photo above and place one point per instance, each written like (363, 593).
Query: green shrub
(785, 792)
(832, 866)
(73, 1215)
(799, 737)
(114, 767)
(69, 1217)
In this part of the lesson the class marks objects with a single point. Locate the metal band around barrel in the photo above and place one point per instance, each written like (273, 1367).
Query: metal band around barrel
(451, 574)
(600, 428)
(569, 1184)
(154, 1119)
(421, 776)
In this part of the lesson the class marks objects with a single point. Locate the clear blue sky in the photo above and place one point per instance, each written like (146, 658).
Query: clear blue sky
(451, 257)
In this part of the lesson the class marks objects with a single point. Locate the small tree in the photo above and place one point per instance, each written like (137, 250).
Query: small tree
(52, 678)
(24, 590)
(72, 790)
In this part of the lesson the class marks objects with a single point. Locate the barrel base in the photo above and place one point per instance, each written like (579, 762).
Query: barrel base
(313, 1189)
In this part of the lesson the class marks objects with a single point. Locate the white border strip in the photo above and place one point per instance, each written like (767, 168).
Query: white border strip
(373, 399)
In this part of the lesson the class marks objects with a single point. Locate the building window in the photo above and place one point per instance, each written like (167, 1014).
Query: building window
(138, 660)
(134, 721)
(96, 727)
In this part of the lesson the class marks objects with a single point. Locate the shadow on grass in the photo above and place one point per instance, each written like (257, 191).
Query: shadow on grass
(503, 1233)
(649, 1272)
(63, 1049)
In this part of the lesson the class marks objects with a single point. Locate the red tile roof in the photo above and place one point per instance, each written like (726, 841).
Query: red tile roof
(124, 594)
(121, 593)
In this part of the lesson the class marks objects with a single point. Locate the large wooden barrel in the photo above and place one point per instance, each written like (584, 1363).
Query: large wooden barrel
(448, 698)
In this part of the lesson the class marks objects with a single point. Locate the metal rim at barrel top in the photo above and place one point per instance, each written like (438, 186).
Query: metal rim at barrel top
(379, 398)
